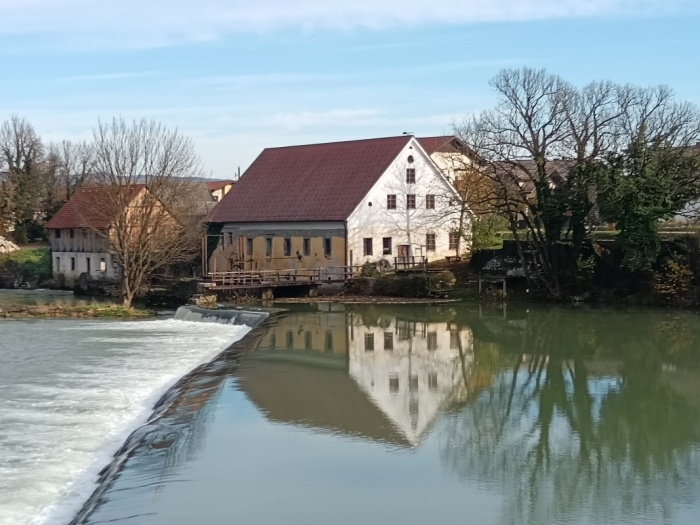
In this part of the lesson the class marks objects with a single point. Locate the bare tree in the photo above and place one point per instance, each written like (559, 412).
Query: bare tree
(75, 163)
(21, 155)
(422, 202)
(148, 198)
(543, 146)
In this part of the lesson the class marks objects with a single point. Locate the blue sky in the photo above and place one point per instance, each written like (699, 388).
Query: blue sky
(239, 76)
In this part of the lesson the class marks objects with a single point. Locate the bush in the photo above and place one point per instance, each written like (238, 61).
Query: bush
(487, 232)
(28, 266)
(401, 286)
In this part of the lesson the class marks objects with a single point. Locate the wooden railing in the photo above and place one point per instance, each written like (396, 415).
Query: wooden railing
(258, 278)
(410, 263)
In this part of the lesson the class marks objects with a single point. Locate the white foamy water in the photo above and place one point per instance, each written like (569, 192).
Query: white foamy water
(72, 391)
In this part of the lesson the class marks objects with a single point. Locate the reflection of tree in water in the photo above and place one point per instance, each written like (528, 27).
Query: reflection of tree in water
(563, 443)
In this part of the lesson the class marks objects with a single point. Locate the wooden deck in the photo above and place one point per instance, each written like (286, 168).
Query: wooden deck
(251, 279)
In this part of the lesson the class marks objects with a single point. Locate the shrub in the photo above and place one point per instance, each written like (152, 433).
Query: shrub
(401, 286)
(32, 266)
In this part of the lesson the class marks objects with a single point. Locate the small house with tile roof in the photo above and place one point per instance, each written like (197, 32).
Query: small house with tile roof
(337, 204)
(219, 188)
(80, 231)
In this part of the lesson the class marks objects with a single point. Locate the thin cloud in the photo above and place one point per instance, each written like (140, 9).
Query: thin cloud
(133, 23)
(106, 76)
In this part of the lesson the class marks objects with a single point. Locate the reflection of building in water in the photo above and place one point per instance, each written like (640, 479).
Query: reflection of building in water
(410, 370)
(295, 334)
(386, 381)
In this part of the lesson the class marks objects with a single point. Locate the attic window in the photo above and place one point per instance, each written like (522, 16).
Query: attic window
(58, 233)
(410, 159)
(410, 175)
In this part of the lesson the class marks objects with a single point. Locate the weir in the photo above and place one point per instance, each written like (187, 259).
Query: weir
(251, 318)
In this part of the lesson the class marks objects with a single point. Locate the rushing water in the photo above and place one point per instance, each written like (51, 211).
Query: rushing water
(71, 391)
(418, 415)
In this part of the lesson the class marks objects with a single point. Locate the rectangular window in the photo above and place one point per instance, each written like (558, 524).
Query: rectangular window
(454, 240)
(329, 341)
(430, 202)
(411, 201)
(72, 264)
(369, 342)
(386, 246)
(368, 246)
(85, 234)
(388, 341)
(71, 233)
(394, 383)
(230, 238)
(432, 340)
(290, 339)
(391, 202)
(249, 246)
(58, 234)
(307, 340)
(103, 265)
(432, 381)
(413, 383)
(58, 264)
(430, 242)
(327, 247)
(287, 247)
(268, 247)
(307, 247)
(454, 339)
(88, 264)
(411, 175)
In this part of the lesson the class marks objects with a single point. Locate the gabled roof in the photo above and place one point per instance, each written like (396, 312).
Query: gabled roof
(444, 144)
(315, 182)
(214, 185)
(86, 208)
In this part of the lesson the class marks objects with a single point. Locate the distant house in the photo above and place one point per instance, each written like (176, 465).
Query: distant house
(219, 188)
(338, 204)
(449, 154)
(79, 235)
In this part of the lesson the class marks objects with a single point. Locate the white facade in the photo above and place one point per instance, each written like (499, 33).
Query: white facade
(413, 379)
(71, 265)
(75, 251)
(425, 212)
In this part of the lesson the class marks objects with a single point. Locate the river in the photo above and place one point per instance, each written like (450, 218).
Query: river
(363, 414)
(70, 393)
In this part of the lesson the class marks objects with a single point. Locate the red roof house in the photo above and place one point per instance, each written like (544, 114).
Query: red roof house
(336, 204)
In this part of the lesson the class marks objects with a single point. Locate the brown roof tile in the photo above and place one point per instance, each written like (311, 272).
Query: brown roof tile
(315, 182)
(218, 184)
(86, 208)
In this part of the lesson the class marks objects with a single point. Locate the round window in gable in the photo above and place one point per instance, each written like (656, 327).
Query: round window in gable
(369, 204)
(410, 159)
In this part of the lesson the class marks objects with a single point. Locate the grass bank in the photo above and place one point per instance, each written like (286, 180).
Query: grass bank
(30, 266)
(80, 310)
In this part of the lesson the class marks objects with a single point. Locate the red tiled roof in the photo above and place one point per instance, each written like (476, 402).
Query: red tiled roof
(316, 182)
(218, 184)
(444, 144)
(86, 208)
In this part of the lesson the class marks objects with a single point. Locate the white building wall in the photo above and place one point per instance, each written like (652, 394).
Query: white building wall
(411, 382)
(72, 264)
(372, 219)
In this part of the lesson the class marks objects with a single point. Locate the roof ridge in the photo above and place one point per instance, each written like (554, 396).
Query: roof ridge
(351, 141)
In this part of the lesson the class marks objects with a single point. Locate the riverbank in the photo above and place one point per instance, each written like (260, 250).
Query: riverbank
(73, 311)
